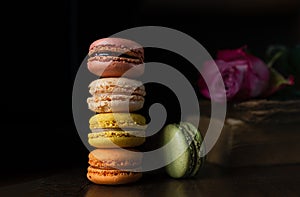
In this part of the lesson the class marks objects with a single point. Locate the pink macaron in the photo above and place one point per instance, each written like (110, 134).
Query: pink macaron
(116, 57)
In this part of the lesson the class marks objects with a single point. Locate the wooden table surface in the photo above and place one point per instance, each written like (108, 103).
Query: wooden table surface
(211, 181)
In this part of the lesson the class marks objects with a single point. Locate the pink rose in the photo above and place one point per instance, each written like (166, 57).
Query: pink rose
(244, 75)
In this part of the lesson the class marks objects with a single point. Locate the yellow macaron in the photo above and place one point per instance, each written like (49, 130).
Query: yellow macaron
(111, 130)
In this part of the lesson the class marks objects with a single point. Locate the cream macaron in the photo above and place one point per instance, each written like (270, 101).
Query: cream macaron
(116, 94)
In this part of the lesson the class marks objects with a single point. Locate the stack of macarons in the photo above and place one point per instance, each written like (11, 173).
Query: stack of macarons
(116, 128)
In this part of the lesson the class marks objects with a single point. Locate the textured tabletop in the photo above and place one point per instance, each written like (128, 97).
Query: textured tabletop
(211, 181)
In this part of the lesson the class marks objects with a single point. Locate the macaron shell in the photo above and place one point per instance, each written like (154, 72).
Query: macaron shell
(117, 158)
(117, 85)
(178, 152)
(117, 120)
(120, 42)
(115, 139)
(112, 177)
(115, 103)
(115, 68)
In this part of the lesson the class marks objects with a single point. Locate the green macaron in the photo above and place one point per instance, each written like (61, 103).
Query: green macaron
(182, 150)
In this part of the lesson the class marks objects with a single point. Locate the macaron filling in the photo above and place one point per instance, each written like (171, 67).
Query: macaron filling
(110, 133)
(108, 59)
(192, 150)
(138, 51)
(193, 132)
(117, 53)
(122, 97)
(134, 174)
(114, 54)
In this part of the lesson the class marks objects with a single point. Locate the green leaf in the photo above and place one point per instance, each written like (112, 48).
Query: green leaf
(277, 57)
(277, 82)
(277, 79)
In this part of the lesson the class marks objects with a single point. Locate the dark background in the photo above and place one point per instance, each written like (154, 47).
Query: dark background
(44, 43)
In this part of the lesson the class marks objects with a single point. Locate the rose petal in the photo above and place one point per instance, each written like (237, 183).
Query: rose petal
(208, 71)
(225, 86)
(257, 77)
(245, 76)
(232, 54)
